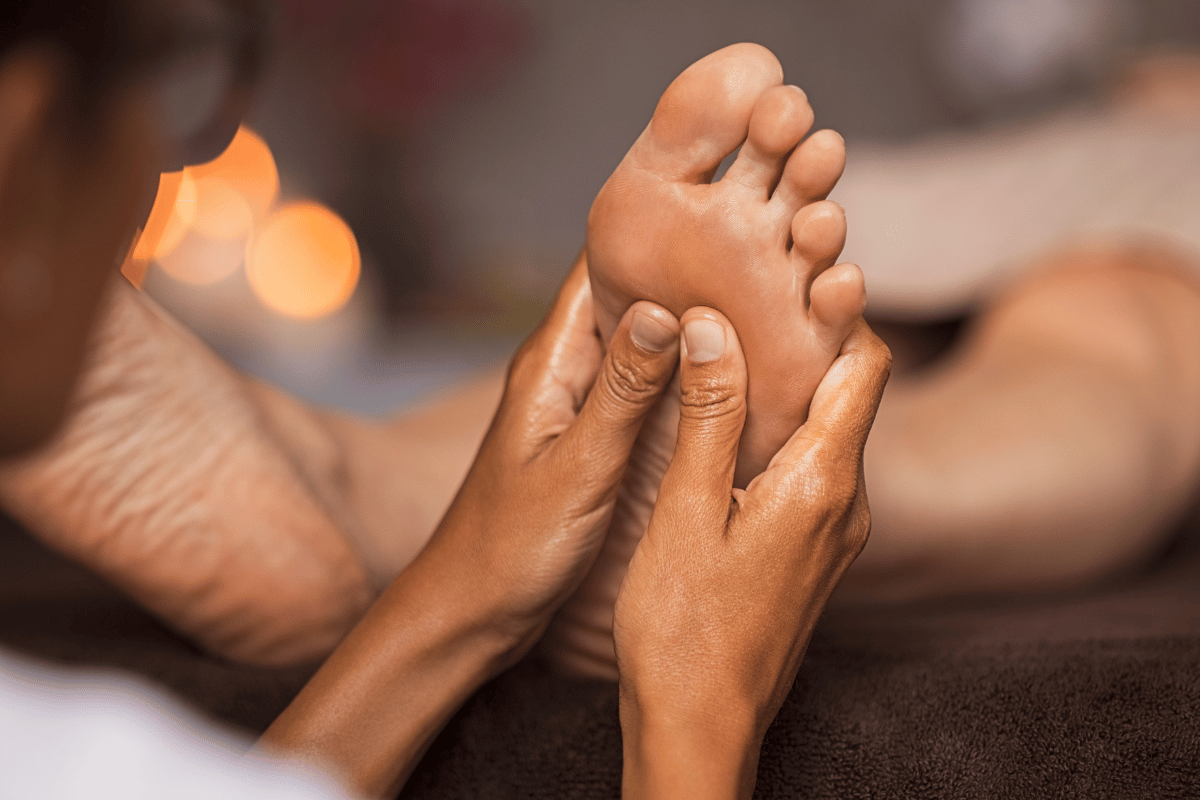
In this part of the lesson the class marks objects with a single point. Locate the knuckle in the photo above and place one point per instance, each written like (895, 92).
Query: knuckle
(832, 488)
(882, 357)
(524, 360)
(859, 529)
(711, 400)
(629, 381)
(825, 500)
(852, 523)
(843, 517)
(835, 493)
(842, 487)
(874, 356)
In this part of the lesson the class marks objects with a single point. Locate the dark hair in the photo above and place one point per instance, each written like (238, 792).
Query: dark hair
(106, 42)
(92, 35)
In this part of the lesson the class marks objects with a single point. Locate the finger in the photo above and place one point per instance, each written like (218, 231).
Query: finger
(564, 349)
(641, 360)
(844, 405)
(573, 305)
(699, 482)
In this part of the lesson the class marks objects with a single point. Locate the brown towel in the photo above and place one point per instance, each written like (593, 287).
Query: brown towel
(1091, 697)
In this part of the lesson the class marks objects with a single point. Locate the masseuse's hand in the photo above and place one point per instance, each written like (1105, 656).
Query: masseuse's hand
(723, 591)
(517, 540)
(536, 504)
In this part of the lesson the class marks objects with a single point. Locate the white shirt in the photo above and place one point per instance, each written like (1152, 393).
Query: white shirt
(69, 734)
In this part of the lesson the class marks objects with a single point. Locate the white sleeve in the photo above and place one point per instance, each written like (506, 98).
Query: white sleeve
(69, 734)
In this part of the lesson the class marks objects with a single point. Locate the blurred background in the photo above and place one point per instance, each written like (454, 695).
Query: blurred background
(413, 181)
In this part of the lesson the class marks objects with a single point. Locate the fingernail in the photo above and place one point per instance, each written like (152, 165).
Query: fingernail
(649, 333)
(705, 340)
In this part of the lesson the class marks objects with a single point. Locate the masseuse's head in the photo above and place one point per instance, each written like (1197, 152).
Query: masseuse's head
(97, 97)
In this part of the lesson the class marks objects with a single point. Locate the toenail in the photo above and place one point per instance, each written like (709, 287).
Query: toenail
(649, 333)
(705, 340)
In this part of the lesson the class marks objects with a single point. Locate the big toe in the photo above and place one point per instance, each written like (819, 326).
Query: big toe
(704, 115)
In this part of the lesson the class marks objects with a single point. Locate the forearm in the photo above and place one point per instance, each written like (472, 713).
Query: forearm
(374, 707)
(692, 734)
(519, 536)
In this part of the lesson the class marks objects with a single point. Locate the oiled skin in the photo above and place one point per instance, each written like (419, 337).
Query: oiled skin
(759, 245)
(751, 245)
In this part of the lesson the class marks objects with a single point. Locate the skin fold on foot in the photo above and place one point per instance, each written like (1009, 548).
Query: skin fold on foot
(259, 527)
(759, 245)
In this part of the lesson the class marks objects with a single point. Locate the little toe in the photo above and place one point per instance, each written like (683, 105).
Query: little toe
(704, 115)
(818, 235)
(837, 298)
(780, 119)
(811, 171)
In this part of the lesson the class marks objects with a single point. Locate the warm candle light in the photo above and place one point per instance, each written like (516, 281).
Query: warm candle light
(304, 262)
(219, 199)
(301, 260)
(247, 167)
(222, 212)
(172, 213)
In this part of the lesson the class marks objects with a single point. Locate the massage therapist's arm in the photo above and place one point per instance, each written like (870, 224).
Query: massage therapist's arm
(725, 588)
(719, 603)
(517, 540)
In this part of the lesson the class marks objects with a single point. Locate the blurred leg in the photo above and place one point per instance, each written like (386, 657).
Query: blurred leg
(1053, 447)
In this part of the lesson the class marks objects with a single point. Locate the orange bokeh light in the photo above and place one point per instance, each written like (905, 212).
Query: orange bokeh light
(172, 213)
(301, 260)
(247, 167)
(222, 212)
(201, 261)
(304, 261)
(220, 199)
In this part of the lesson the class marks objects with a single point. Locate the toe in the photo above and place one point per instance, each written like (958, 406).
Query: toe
(780, 119)
(705, 113)
(836, 299)
(811, 171)
(818, 235)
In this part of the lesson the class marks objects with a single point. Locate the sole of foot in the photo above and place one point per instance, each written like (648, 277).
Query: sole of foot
(759, 245)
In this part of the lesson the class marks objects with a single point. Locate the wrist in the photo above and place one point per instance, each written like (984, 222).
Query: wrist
(376, 704)
(466, 605)
(494, 590)
(683, 746)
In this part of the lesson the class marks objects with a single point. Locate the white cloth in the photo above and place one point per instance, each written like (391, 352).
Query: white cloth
(69, 734)
(942, 224)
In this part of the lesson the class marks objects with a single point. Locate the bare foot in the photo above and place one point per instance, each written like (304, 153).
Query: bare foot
(257, 526)
(759, 245)
(756, 245)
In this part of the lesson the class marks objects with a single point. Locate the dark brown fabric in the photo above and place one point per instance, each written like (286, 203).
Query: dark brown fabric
(1090, 697)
